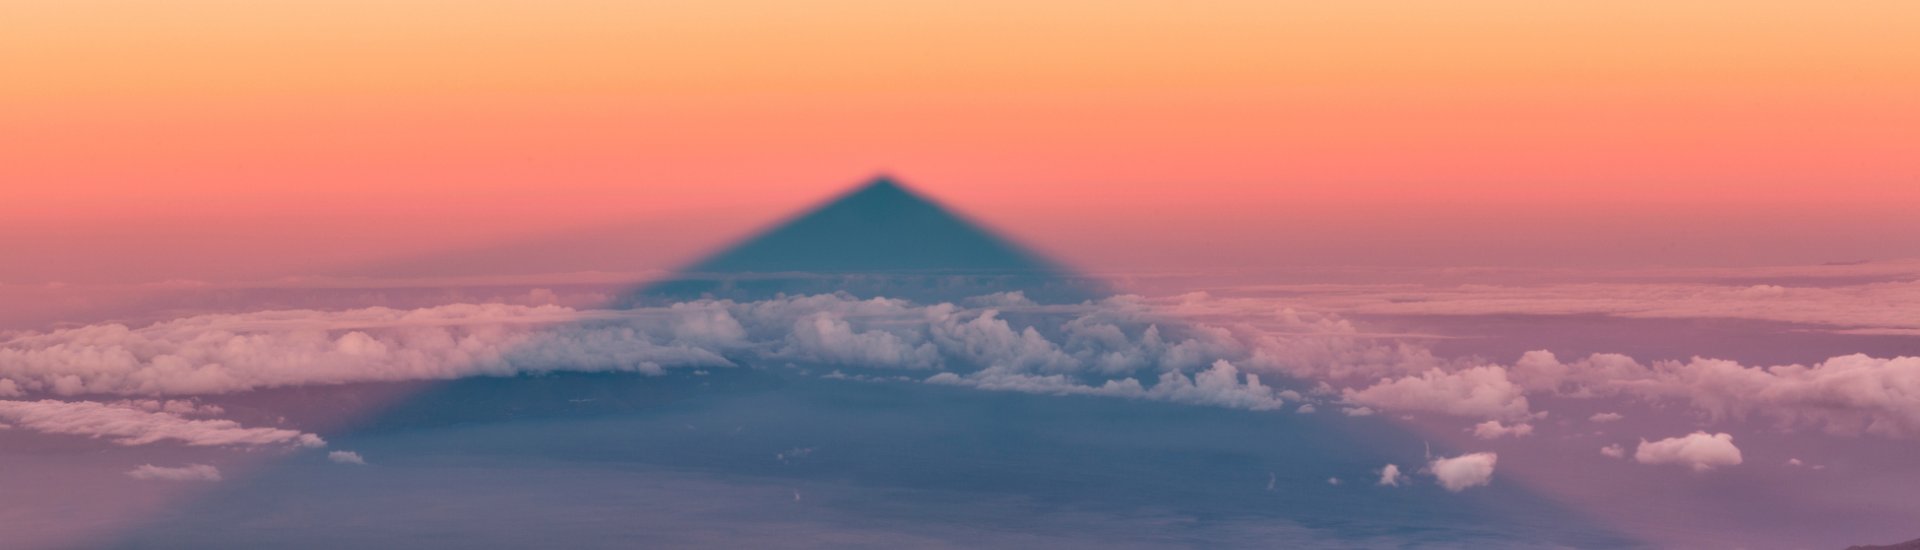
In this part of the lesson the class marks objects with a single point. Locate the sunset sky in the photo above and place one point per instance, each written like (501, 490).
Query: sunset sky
(987, 273)
(221, 140)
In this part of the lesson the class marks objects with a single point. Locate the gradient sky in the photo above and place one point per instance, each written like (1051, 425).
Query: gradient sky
(208, 139)
(1596, 243)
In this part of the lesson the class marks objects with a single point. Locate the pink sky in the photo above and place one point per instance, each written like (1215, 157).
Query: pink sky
(1647, 230)
(208, 140)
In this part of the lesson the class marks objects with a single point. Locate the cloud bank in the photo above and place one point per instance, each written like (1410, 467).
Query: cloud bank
(1190, 349)
(1850, 394)
(1869, 308)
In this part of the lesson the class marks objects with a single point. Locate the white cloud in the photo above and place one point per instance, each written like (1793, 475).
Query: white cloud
(132, 426)
(1123, 346)
(1614, 451)
(182, 407)
(224, 353)
(190, 472)
(1493, 429)
(1699, 451)
(346, 457)
(1357, 411)
(1219, 385)
(1605, 417)
(1483, 392)
(1850, 394)
(211, 354)
(1391, 476)
(1002, 300)
(828, 338)
(1002, 379)
(1305, 409)
(1461, 472)
(1797, 463)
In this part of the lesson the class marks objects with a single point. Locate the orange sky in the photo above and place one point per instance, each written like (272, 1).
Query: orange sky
(225, 139)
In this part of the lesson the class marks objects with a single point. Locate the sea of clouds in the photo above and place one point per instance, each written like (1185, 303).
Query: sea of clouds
(93, 380)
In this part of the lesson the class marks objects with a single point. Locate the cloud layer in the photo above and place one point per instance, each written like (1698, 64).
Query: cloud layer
(1871, 308)
(1193, 349)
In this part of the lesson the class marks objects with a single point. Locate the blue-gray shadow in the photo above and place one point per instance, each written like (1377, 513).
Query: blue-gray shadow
(601, 460)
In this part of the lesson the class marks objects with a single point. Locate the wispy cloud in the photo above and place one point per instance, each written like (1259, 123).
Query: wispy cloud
(126, 425)
(190, 472)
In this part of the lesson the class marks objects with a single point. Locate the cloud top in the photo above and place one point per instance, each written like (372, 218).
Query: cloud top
(1193, 349)
(1699, 451)
(1465, 471)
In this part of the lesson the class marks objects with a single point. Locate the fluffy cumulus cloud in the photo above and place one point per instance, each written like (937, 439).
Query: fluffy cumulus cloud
(1481, 392)
(1699, 451)
(1849, 394)
(826, 338)
(1219, 385)
(1613, 451)
(127, 425)
(346, 457)
(1390, 476)
(1493, 429)
(1465, 471)
(190, 472)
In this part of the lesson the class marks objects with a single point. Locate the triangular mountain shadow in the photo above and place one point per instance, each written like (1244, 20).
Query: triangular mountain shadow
(881, 239)
(927, 446)
(878, 227)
